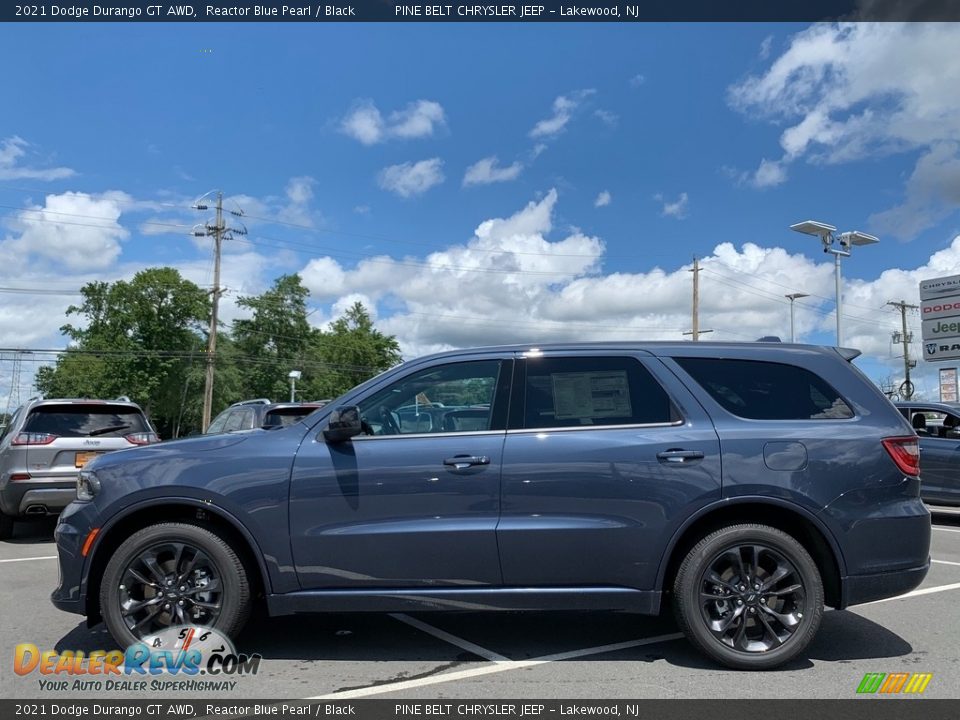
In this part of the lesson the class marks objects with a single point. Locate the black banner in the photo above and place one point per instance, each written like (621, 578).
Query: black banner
(483, 11)
(449, 709)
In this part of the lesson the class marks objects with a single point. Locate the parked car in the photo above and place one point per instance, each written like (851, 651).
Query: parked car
(938, 427)
(47, 442)
(747, 484)
(261, 413)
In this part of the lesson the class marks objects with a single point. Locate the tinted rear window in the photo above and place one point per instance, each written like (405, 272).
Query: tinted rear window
(767, 391)
(85, 420)
(286, 416)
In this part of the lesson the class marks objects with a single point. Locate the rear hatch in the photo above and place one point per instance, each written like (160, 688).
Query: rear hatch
(61, 438)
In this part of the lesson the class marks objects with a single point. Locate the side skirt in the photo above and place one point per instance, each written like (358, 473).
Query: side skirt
(645, 602)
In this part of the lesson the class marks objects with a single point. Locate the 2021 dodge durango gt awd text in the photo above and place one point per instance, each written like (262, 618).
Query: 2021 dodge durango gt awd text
(748, 484)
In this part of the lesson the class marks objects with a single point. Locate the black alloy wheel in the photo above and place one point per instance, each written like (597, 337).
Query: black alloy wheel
(749, 596)
(171, 583)
(173, 574)
(752, 598)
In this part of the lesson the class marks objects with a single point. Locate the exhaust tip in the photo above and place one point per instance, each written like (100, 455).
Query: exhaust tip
(36, 510)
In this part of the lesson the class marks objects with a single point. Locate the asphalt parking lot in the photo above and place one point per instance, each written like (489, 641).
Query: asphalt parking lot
(515, 655)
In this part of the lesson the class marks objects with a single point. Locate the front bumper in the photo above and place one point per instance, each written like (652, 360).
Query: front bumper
(859, 589)
(74, 525)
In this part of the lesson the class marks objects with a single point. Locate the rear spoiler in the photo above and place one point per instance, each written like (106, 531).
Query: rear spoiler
(848, 354)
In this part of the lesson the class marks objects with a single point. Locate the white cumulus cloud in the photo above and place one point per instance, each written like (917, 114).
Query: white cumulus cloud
(676, 208)
(418, 119)
(409, 179)
(12, 150)
(849, 91)
(488, 170)
(603, 199)
(563, 109)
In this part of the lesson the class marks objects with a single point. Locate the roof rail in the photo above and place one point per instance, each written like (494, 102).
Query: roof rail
(123, 398)
(258, 401)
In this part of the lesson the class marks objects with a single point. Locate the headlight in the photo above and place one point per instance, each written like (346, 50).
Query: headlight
(88, 485)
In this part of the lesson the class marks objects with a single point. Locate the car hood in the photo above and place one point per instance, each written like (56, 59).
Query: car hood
(157, 451)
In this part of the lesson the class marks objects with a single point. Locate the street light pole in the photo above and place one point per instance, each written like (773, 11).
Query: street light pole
(791, 297)
(294, 375)
(846, 241)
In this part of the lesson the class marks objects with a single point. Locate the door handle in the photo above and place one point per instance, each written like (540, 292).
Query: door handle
(679, 456)
(462, 462)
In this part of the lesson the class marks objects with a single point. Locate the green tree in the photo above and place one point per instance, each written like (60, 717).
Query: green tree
(140, 338)
(276, 339)
(351, 351)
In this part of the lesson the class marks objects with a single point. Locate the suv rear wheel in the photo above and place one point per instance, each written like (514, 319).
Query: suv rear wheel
(173, 574)
(749, 596)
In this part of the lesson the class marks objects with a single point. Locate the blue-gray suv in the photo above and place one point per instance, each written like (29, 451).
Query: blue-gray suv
(748, 484)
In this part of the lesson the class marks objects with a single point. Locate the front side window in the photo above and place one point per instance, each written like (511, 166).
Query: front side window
(760, 390)
(459, 397)
(589, 391)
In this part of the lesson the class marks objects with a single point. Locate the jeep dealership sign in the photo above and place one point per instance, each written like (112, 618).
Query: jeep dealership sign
(940, 313)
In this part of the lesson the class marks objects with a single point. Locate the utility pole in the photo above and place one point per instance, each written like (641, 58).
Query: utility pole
(906, 390)
(695, 327)
(219, 232)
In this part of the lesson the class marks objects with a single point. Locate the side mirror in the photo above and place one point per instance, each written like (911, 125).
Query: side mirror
(344, 424)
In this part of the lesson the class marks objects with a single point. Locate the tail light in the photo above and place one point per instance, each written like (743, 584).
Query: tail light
(905, 452)
(142, 438)
(29, 438)
(14, 477)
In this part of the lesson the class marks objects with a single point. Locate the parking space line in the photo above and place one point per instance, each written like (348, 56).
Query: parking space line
(452, 639)
(943, 529)
(915, 593)
(492, 669)
(944, 562)
(42, 557)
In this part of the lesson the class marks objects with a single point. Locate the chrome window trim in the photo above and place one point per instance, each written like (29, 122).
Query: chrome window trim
(464, 433)
(568, 428)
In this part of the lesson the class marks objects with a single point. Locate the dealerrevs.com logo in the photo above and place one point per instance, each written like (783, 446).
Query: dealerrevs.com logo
(894, 683)
(156, 663)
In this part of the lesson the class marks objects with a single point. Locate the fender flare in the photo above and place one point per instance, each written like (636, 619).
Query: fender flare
(229, 517)
(754, 500)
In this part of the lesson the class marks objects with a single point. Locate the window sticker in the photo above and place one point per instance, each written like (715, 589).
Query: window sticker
(597, 394)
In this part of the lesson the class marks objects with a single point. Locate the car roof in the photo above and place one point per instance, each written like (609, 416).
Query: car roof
(944, 406)
(662, 348)
(83, 401)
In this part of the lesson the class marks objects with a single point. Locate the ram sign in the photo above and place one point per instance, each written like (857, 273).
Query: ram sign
(940, 313)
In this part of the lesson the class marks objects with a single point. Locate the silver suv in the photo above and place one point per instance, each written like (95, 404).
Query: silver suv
(47, 442)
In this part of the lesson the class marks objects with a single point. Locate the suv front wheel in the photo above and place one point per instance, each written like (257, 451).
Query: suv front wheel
(749, 596)
(173, 574)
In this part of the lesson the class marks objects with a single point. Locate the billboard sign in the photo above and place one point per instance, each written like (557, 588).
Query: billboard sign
(940, 316)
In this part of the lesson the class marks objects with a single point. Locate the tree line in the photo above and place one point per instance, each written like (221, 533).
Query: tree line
(146, 339)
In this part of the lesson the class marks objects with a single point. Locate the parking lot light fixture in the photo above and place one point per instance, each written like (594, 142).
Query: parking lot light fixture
(846, 241)
(791, 297)
(294, 375)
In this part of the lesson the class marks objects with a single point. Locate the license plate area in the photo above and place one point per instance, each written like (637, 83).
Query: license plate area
(84, 457)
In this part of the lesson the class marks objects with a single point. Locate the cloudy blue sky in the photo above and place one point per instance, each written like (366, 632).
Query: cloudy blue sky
(488, 183)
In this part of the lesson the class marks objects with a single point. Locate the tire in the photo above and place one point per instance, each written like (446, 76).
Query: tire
(213, 561)
(778, 621)
(6, 526)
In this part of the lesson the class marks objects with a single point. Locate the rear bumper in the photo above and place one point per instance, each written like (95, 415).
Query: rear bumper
(36, 496)
(857, 589)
